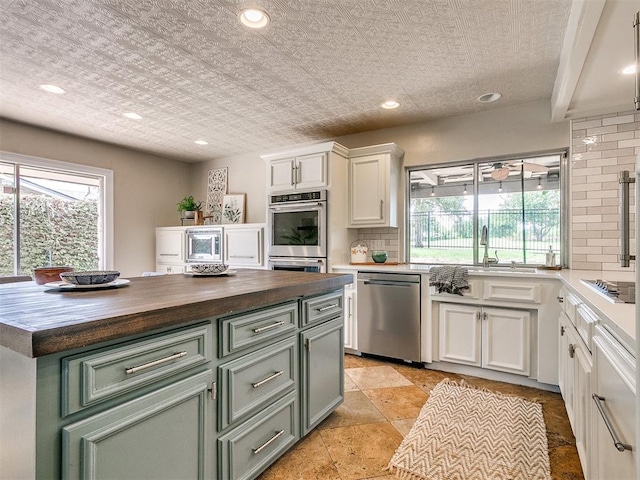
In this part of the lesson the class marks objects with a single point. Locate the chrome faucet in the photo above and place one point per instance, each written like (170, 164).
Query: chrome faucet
(487, 260)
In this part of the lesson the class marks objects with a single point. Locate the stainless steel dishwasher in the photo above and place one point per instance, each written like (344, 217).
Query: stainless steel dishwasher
(389, 315)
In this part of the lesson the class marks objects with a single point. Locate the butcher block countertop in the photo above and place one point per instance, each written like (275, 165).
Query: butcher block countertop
(37, 321)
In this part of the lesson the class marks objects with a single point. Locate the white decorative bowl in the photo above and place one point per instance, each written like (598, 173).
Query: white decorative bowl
(92, 277)
(208, 267)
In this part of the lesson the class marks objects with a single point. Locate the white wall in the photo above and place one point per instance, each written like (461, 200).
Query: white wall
(146, 187)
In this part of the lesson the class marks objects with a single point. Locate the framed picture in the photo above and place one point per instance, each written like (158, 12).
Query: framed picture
(233, 208)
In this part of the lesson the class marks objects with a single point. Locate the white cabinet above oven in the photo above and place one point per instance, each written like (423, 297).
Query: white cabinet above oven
(306, 171)
(303, 168)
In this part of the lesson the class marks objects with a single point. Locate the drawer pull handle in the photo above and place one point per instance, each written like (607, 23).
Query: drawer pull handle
(242, 256)
(268, 379)
(268, 442)
(621, 447)
(328, 307)
(268, 327)
(144, 366)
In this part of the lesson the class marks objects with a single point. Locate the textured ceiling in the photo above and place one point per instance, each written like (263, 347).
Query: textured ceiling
(321, 69)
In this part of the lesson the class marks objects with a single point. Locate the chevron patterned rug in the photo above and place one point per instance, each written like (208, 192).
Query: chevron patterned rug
(468, 433)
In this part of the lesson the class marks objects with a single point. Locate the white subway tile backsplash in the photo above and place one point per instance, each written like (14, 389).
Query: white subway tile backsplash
(587, 218)
(602, 130)
(588, 155)
(618, 119)
(610, 137)
(587, 124)
(590, 202)
(587, 171)
(629, 143)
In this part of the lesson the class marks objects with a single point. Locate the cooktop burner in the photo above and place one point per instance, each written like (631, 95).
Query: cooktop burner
(616, 292)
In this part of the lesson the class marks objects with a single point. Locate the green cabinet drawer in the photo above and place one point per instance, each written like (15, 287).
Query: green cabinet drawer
(256, 379)
(249, 330)
(323, 307)
(166, 434)
(250, 448)
(92, 377)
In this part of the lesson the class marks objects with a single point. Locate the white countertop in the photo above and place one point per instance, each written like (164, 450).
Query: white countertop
(619, 318)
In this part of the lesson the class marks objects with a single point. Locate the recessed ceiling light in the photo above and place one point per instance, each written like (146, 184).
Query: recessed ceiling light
(254, 18)
(489, 97)
(201, 142)
(390, 104)
(132, 116)
(630, 70)
(52, 89)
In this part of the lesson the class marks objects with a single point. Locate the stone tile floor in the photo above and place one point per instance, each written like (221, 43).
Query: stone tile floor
(382, 400)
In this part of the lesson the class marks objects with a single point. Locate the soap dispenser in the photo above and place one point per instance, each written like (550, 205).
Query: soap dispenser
(551, 258)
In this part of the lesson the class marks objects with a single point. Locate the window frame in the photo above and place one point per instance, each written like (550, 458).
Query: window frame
(565, 225)
(106, 238)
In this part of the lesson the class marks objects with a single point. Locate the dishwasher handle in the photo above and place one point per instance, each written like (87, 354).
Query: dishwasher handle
(388, 283)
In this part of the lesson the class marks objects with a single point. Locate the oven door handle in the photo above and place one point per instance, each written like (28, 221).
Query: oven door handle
(297, 206)
(297, 261)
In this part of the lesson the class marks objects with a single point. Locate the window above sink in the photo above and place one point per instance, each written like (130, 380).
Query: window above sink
(517, 198)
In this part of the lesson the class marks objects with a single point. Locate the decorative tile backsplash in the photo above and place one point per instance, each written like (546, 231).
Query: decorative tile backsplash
(600, 148)
(384, 238)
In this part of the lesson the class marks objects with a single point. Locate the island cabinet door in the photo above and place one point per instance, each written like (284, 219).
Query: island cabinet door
(322, 385)
(166, 434)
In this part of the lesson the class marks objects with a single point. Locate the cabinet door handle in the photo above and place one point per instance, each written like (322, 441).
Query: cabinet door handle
(562, 331)
(621, 447)
(160, 361)
(298, 175)
(328, 307)
(268, 327)
(381, 209)
(266, 380)
(572, 350)
(293, 175)
(349, 301)
(268, 442)
(560, 299)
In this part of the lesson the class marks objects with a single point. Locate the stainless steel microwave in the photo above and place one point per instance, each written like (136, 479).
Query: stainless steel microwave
(205, 244)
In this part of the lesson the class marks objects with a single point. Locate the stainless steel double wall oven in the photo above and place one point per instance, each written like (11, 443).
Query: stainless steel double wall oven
(297, 230)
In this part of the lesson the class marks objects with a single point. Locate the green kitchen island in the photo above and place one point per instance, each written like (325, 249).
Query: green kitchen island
(170, 376)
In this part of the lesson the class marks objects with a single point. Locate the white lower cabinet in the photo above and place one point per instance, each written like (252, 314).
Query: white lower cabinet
(613, 411)
(597, 381)
(170, 250)
(492, 338)
(576, 367)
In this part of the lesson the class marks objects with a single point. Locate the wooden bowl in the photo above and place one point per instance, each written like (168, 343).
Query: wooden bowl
(44, 275)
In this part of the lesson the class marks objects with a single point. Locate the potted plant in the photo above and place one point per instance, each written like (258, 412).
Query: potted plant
(188, 207)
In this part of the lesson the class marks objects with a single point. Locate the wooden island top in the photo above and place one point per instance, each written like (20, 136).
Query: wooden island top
(37, 321)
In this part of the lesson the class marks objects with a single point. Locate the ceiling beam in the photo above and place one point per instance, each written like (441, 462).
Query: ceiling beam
(581, 28)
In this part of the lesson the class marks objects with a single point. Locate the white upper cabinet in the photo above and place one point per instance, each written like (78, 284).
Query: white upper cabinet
(307, 171)
(301, 169)
(374, 175)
